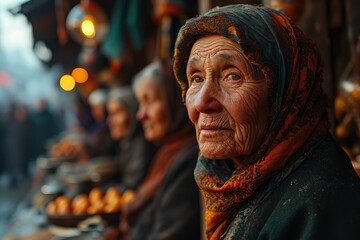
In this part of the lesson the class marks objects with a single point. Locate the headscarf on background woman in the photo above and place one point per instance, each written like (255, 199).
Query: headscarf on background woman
(290, 63)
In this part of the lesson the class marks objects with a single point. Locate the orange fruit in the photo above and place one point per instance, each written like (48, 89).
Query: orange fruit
(51, 208)
(128, 196)
(95, 195)
(112, 193)
(80, 204)
(96, 207)
(63, 209)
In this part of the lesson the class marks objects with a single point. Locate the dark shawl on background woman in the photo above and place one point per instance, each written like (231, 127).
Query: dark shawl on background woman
(180, 137)
(298, 120)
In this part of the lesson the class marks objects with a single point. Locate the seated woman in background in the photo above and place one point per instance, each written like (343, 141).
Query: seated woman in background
(268, 166)
(134, 152)
(98, 141)
(167, 203)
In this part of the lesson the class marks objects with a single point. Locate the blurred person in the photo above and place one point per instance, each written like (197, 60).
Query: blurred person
(45, 127)
(268, 166)
(7, 117)
(166, 204)
(2, 143)
(84, 119)
(134, 152)
(18, 145)
(98, 141)
(97, 101)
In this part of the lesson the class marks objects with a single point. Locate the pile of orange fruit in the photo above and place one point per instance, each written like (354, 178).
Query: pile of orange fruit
(67, 148)
(95, 202)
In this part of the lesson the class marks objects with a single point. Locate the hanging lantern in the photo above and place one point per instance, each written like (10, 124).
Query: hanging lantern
(87, 23)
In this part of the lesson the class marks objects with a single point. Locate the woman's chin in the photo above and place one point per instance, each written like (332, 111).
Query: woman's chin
(213, 155)
(217, 150)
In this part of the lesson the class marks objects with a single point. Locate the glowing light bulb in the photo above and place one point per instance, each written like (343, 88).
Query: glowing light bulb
(67, 82)
(80, 75)
(88, 28)
(87, 23)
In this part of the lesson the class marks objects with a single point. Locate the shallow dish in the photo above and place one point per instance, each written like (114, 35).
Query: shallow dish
(71, 220)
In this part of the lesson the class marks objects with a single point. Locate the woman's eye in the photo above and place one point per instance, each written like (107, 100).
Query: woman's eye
(235, 77)
(197, 79)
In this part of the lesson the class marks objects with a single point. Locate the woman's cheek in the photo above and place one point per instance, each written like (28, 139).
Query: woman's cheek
(189, 103)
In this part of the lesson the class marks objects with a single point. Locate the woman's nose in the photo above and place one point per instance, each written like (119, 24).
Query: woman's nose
(140, 115)
(206, 100)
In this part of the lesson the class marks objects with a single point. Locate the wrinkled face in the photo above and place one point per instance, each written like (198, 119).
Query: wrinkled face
(118, 119)
(226, 99)
(153, 110)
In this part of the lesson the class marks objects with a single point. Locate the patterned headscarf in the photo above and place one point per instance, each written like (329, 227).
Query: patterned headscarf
(291, 66)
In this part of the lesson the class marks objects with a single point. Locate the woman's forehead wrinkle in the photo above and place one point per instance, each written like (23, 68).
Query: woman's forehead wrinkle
(195, 56)
(227, 56)
(193, 60)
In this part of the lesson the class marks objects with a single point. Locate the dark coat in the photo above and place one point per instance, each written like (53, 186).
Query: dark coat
(134, 158)
(319, 200)
(174, 213)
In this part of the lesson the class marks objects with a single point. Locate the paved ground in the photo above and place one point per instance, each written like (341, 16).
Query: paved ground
(10, 197)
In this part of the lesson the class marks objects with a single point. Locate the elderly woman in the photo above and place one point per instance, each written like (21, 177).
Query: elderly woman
(98, 141)
(268, 167)
(166, 205)
(134, 152)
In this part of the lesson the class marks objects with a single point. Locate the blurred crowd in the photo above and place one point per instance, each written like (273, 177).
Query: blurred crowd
(25, 133)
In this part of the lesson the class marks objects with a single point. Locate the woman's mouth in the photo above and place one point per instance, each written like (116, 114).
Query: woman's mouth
(212, 130)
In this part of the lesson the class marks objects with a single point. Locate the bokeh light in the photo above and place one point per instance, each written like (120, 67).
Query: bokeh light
(88, 28)
(80, 75)
(5, 79)
(67, 82)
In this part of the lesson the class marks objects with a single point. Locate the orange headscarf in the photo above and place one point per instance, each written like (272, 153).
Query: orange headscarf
(291, 65)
